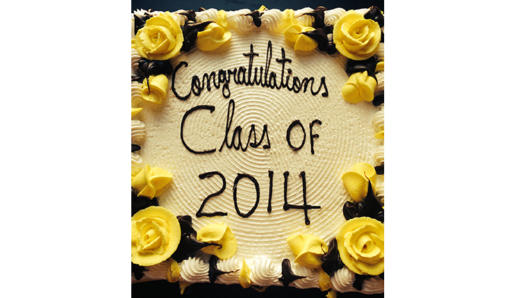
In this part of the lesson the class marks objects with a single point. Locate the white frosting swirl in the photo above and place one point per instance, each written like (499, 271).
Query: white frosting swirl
(135, 57)
(232, 266)
(270, 20)
(194, 270)
(206, 15)
(136, 159)
(380, 76)
(137, 131)
(136, 93)
(380, 52)
(309, 281)
(263, 272)
(379, 155)
(239, 21)
(342, 281)
(379, 119)
(380, 189)
(333, 15)
(306, 20)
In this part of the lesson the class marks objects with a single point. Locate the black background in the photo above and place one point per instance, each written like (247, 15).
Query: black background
(162, 289)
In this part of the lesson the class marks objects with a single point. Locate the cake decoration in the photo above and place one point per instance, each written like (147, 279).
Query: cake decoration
(151, 181)
(135, 111)
(160, 38)
(324, 280)
(155, 235)
(138, 202)
(356, 180)
(190, 31)
(213, 37)
(356, 37)
(244, 275)
(360, 242)
(222, 241)
(307, 249)
(138, 271)
(359, 87)
(188, 240)
(173, 272)
(300, 42)
(154, 88)
(287, 273)
(368, 206)
(135, 147)
(213, 271)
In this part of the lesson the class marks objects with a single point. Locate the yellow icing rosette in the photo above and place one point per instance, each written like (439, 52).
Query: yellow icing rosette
(287, 20)
(356, 37)
(213, 37)
(160, 39)
(221, 235)
(359, 87)
(299, 41)
(156, 91)
(221, 19)
(308, 249)
(155, 235)
(356, 180)
(244, 275)
(150, 181)
(361, 245)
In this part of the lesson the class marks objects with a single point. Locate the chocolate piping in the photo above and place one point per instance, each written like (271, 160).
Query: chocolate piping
(213, 271)
(358, 282)
(135, 147)
(331, 261)
(256, 17)
(318, 15)
(374, 13)
(369, 206)
(138, 271)
(287, 273)
(380, 169)
(140, 202)
(379, 99)
(188, 241)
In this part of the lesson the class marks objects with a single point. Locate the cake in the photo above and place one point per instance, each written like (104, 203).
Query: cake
(257, 148)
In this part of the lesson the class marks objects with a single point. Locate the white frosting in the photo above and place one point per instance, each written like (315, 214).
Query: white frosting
(380, 76)
(135, 57)
(301, 16)
(137, 132)
(136, 159)
(333, 15)
(380, 53)
(342, 281)
(346, 137)
(379, 155)
(379, 119)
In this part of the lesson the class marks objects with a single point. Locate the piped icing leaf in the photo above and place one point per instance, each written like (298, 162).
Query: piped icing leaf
(369, 207)
(308, 249)
(139, 203)
(368, 65)
(244, 275)
(256, 17)
(331, 261)
(138, 271)
(360, 242)
(188, 241)
(213, 271)
(358, 281)
(219, 234)
(151, 181)
(160, 38)
(135, 147)
(155, 88)
(356, 180)
(148, 68)
(379, 99)
(318, 15)
(190, 31)
(155, 235)
(321, 37)
(287, 273)
(213, 37)
(376, 14)
(359, 87)
(355, 37)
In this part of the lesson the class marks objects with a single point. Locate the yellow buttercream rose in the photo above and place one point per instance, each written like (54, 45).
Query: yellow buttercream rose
(150, 181)
(219, 234)
(213, 37)
(361, 245)
(359, 87)
(356, 37)
(356, 180)
(308, 249)
(156, 91)
(160, 39)
(155, 235)
(299, 41)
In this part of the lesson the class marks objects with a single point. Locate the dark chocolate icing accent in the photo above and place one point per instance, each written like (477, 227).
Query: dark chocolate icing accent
(138, 271)
(213, 271)
(380, 169)
(189, 31)
(202, 8)
(135, 147)
(140, 202)
(217, 213)
(190, 15)
(382, 275)
(288, 135)
(305, 206)
(188, 241)
(271, 179)
(331, 261)
(256, 185)
(368, 65)
(374, 13)
(318, 15)
(379, 99)
(148, 68)
(369, 206)
(256, 17)
(358, 282)
(139, 21)
(190, 111)
(287, 273)
(324, 38)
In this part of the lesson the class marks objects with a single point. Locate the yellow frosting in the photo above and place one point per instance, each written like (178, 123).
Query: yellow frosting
(150, 181)
(288, 19)
(331, 294)
(135, 111)
(160, 39)
(307, 249)
(183, 285)
(156, 92)
(213, 37)
(221, 19)
(380, 134)
(361, 245)
(356, 180)
(244, 275)
(356, 37)
(300, 42)
(155, 235)
(218, 233)
(380, 66)
(173, 272)
(324, 281)
(359, 87)
(262, 8)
